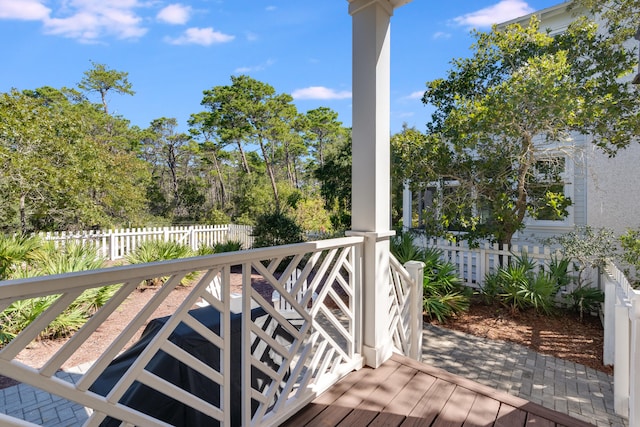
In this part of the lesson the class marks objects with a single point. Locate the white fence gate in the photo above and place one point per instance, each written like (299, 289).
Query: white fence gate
(118, 243)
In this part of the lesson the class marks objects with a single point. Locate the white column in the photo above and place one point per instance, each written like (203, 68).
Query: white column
(371, 167)
(407, 199)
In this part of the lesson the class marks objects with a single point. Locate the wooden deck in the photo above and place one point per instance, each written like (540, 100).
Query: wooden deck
(403, 392)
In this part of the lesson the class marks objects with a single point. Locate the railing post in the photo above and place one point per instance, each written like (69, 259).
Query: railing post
(634, 354)
(416, 270)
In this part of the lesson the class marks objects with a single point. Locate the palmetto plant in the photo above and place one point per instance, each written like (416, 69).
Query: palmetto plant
(14, 251)
(519, 286)
(443, 292)
(50, 260)
(152, 251)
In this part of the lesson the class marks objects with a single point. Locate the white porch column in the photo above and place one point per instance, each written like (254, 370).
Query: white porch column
(407, 205)
(371, 166)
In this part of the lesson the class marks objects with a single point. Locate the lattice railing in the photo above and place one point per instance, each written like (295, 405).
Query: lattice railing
(208, 365)
(406, 306)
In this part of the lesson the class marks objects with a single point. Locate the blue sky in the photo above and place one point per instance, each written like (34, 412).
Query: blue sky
(174, 50)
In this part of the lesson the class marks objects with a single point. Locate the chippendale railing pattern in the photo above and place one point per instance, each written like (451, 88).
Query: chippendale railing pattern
(240, 369)
(405, 306)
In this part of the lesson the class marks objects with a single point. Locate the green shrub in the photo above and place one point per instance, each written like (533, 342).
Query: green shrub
(14, 251)
(443, 293)
(152, 251)
(585, 300)
(220, 247)
(519, 287)
(403, 248)
(49, 260)
(276, 229)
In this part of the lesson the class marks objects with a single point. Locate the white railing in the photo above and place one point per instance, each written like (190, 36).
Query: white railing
(118, 243)
(472, 264)
(245, 369)
(622, 341)
(406, 293)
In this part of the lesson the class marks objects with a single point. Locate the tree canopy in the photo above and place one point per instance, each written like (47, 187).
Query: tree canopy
(504, 116)
(66, 163)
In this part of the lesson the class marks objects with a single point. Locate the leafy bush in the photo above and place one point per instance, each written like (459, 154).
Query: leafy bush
(630, 243)
(403, 248)
(152, 251)
(587, 247)
(276, 229)
(585, 300)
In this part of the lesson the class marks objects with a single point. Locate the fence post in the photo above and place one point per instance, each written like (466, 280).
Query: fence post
(609, 325)
(621, 371)
(416, 271)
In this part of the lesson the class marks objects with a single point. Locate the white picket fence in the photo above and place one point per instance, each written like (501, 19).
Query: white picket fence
(472, 264)
(622, 341)
(118, 243)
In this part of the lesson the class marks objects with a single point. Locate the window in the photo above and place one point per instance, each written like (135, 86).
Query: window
(548, 196)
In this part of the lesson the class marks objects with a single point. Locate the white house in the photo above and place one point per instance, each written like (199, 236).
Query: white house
(602, 188)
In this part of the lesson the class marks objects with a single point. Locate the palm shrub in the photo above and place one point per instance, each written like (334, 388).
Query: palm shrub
(15, 251)
(51, 260)
(519, 287)
(403, 248)
(443, 293)
(220, 247)
(157, 250)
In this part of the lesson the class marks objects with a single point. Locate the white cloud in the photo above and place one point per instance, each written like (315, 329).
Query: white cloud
(88, 20)
(28, 10)
(259, 67)
(416, 95)
(499, 12)
(202, 36)
(441, 35)
(320, 92)
(251, 36)
(176, 13)
(271, 8)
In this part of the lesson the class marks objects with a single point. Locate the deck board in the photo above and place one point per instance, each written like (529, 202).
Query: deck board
(403, 392)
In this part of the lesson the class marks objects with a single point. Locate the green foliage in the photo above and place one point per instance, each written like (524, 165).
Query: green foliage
(559, 271)
(152, 251)
(585, 300)
(519, 287)
(588, 247)
(519, 83)
(72, 257)
(49, 260)
(228, 246)
(443, 293)
(335, 184)
(276, 229)
(311, 215)
(630, 243)
(404, 249)
(15, 250)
